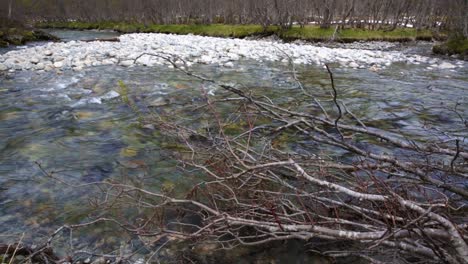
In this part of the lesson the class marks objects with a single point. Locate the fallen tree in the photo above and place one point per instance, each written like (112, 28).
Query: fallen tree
(388, 197)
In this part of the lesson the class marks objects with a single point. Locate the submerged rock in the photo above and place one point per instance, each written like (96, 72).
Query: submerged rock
(126, 63)
(447, 66)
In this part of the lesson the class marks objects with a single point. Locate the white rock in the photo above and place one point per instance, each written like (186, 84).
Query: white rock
(39, 66)
(229, 64)
(35, 60)
(110, 95)
(3, 67)
(58, 64)
(48, 53)
(59, 58)
(353, 65)
(446, 66)
(126, 63)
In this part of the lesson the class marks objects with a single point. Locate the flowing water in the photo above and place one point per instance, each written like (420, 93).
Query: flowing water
(68, 124)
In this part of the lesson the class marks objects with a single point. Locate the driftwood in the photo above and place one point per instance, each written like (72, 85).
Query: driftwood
(103, 39)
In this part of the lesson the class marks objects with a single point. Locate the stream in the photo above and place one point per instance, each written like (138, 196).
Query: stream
(75, 125)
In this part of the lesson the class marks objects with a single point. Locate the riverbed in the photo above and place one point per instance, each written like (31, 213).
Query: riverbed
(70, 119)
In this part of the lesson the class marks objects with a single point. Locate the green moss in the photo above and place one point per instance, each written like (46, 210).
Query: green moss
(20, 36)
(456, 45)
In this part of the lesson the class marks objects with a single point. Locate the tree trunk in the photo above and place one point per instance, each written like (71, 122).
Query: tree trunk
(10, 3)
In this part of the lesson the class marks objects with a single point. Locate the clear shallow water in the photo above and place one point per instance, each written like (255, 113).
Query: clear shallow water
(53, 119)
(68, 35)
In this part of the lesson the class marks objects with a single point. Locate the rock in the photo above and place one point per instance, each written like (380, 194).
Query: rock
(48, 53)
(58, 64)
(353, 65)
(447, 66)
(39, 66)
(110, 95)
(158, 102)
(3, 67)
(35, 60)
(99, 261)
(149, 126)
(126, 63)
(57, 59)
(229, 65)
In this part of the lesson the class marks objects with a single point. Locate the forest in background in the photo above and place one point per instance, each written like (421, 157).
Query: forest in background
(370, 14)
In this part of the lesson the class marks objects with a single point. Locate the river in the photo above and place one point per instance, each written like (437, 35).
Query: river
(76, 125)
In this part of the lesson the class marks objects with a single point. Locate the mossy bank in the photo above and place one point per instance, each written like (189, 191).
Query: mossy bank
(455, 46)
(20, 36)
(308, 33)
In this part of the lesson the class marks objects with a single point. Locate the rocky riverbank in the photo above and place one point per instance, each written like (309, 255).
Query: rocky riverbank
(77, 55)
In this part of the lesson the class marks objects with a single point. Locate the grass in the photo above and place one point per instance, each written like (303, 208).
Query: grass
(308, 33)
(314, 33)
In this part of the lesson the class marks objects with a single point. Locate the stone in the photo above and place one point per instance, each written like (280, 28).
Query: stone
(446, 66)
(57, 59)
(158, 102)
(126, 63)
(48, 53)
(39, 66)
(3, 67)
(149, 126)
(58, 64)
(35, 60)
(110, 95)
